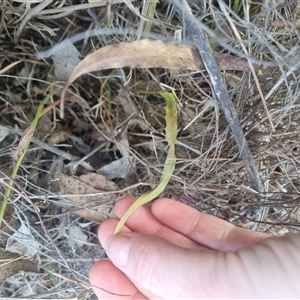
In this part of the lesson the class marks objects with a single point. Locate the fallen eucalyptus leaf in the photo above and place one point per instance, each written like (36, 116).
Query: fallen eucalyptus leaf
(148, 53)
(85, 200)
(99, 182)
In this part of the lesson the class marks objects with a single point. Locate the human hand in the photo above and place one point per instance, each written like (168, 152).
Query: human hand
(177, 252)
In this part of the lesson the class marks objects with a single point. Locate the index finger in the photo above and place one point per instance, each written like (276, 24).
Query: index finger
(143, 221)
(202, 228)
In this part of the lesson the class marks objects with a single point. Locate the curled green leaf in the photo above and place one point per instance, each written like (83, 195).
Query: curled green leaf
(169, 167)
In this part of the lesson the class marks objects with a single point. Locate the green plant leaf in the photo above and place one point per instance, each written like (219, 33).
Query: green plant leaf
(21, 152)
(169, 167)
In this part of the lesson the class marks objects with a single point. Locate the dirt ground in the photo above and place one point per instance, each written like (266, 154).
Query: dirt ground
(66, 158)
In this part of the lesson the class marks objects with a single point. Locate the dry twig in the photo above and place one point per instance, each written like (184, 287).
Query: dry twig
(220, 91)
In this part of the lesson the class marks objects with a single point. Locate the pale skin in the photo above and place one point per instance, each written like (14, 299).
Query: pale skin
(171, 251)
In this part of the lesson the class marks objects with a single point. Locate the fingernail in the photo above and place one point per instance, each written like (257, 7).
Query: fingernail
(118, 248)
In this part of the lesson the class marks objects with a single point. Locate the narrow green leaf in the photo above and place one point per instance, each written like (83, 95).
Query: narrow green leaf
(169, 167)
(18, 163)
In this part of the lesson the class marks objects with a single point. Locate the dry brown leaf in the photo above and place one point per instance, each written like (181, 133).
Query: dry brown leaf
(37, 90)
(59, 136)
(11, 264)
(150, 54)
(99, 182)
(44, 125)
(93, 207)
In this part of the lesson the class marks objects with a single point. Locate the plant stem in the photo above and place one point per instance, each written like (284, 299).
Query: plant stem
(20, 159)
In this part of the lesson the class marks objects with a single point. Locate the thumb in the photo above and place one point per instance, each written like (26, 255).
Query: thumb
(167, 270)
(159, 267)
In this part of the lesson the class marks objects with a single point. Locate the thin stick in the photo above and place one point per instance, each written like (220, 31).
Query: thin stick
(194, 28)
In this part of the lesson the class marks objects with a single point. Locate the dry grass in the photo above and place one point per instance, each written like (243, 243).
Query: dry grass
(209, 174)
